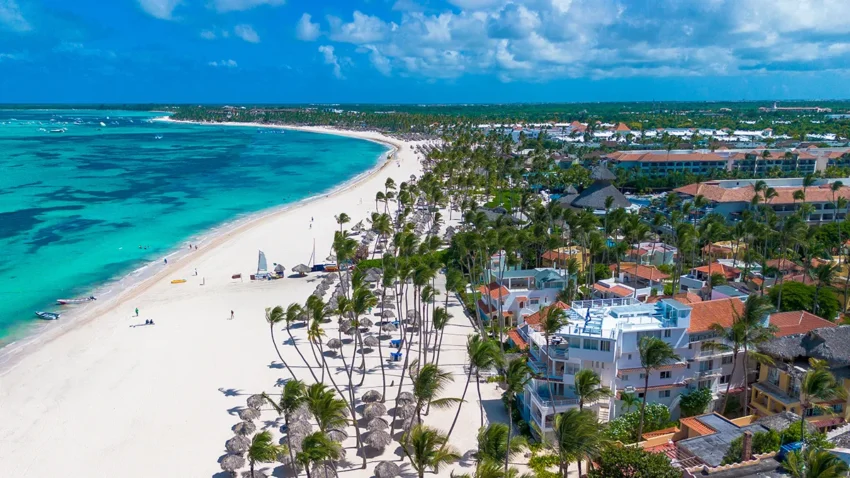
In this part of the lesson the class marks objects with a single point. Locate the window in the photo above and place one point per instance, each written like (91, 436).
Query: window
(605, 346)
(668, 333)
(725, 379)
(773, 376)
(664, 394)
(535, 301)
(838, 408)
(575, 343)
(704, 384)
(666, 374)
(624, 378)
(591, 344)
(727, 360)
(642, 376)
(640, 395)
(630, 356)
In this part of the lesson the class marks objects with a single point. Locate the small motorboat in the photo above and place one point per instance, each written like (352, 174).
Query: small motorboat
(47, 315)
(75, 301)
(58, 130)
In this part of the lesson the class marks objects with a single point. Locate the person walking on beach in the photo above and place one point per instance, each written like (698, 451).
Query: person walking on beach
(231, 315)
(137, 311)
(165, 261)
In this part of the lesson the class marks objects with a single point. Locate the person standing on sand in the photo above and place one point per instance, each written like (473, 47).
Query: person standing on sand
(137, 311)
(231, 315)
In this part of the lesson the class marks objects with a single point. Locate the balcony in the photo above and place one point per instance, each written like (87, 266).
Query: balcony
(714, 372)
(541, 399)
(557, 352)
(776, 393)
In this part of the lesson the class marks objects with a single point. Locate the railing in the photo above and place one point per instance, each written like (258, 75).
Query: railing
(775, 392)
(598, 303)
(557, 352)
(709, 372)
(548, 403)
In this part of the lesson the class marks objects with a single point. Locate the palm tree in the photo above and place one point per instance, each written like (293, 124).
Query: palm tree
(275, 316)
(517, 375)
(553, 320)
(589, 389)
(293, 313)
(654, 353)
(293, 396)
(317, 448)
(814, 463)
(342, 218)
(428, 383)
(578, 437)
(482, 353)
(754, 332)
(262, 449)
(822, 275)
(495, 444)
(629, 401)
(328, 411)
(818, 385)
(439, 320)
(428, 448)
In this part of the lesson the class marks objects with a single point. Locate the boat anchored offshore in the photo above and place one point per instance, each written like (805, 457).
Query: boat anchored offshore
(75, 301)
(48, 315)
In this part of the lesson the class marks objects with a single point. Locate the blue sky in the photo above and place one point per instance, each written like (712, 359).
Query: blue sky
(422, 51)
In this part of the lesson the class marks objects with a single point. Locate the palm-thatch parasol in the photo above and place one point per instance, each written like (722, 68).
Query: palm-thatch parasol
(374, 410)
(370, 341)
(337, 435)
(256, 401)
(255, 474)
(231, 463)
(366, 322)
(388, 314)
(302, 413)
(300, 427)
(334, 344)
(322, 470)
(377, 439)
(410, 422)
(412, 313)
(249, 414)
(344, 325)
(388, 305)
(244, 428)
(372, 396)
(405, 397)
(388, 327)
(237, 445)
(301, 269)
(387, 469)
(378, 423)
(405, 411)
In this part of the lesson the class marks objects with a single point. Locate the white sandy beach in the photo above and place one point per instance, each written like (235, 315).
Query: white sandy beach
(106, 398)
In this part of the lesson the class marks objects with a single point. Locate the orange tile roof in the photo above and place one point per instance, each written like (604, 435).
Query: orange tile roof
(656, 433)
(718, 268)
(534, 319)
(617, 290)
(622, 127)
(797, 322)
(785, 195)
(494, 290)
(485, 307)
(668, 449)
(694, 424)
(707, 312)
(663, 157)
(517, 339)
(683, 297)
(641, 271)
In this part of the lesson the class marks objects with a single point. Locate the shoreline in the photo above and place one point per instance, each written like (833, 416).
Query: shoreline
(42, 334)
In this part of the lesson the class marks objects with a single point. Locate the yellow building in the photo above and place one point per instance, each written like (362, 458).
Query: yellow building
(726, 250)
(777, 388)
(560, 257)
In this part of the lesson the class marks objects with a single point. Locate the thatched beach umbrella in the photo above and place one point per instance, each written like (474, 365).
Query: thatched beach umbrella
(405, 397)
(387, 469)
(412, 313)
(255, 474)
(244, 428)
(366, 322)
(405, 411)
(388, 305)
(372, 396)
(334, 344)
(237, 445)
(300, 427)
(374, 410)
(410, 422)
(370, 341)
(231, 463)
(302, 413)
(345, 326)
(337, 435)
(301, 269)
(378, 423)
(388, 327)
(249, 414)
(322, 470)
(388, 314)
(256, 401)
(377, 439)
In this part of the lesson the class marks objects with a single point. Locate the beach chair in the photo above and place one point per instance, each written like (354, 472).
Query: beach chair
(395, 356)
(396, 343)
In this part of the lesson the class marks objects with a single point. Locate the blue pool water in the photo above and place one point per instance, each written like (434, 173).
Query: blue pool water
(76, 205)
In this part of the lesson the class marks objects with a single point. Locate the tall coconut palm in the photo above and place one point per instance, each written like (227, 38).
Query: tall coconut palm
(517, 375)
(293, 313)
(654, 353)
(274, 316)
(292, 397)
(481, 353)
(428, 449)
(495, 444)
(362, 301)
(428, 383)
(342, 218)
(754, 332)
(317, 448)
(822, 275)
(328, 411)
(262, 450)
(578, 437)
(814, 463)
(553, 320)
(589, 388)
(818, 385)
(439, 321)
(629, 401)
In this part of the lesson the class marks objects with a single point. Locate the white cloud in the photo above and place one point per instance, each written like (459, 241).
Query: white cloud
(330, 57)
(362, 29)
(11, 17)
(9, 56)
(247, 33)
(208, 35)
(223, 6)
(306, 30)
(379, 61)
(162, 9)
(223, 64)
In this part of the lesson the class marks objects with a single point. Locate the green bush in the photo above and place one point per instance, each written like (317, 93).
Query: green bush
(695, 402)
(601, 271)
(632, 462)
(799, 296)
(625, 427)
(763, 442)
(813, 440)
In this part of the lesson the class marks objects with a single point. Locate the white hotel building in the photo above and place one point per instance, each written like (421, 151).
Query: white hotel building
(603, 335)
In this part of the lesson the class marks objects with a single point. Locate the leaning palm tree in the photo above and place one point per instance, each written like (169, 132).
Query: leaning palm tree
(553, 320)
(578, 437)
(818, 385)
(483, 353)
(274, 316)
(342, 218)
(754, 332)
(293, 397)
(262, 450)
(654, 353)
(429, 382)
(822, 275)
(814, 463)
(328, 411)
(317, 448)
(589, 389)
(488, 469)
(629, 401)
(293, 313)
(428, 449)
(517, 375)
(494, 443)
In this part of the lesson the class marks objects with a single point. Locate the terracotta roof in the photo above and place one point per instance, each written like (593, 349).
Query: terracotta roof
(668, 449)
(622, 127)
(656, 433)
(494, 290)
(773, 154)
(721, 311)
(694, 424)
(661, 156)
(642, 271)
(683, 297)
(534, 319)
(485, 307)
(827, 422)
(797, 322)
(785, 195)
(517, 339)
(718, 268)
(617, 290)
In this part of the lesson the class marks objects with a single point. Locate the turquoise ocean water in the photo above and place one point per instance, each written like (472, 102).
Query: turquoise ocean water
(76, 205)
